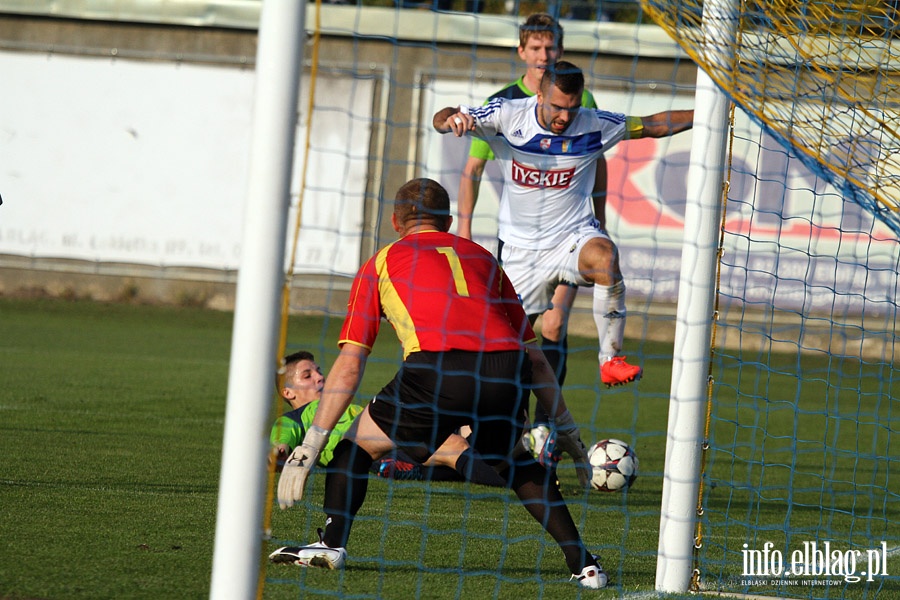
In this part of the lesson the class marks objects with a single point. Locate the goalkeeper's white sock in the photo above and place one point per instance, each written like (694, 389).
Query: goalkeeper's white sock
(609, 316)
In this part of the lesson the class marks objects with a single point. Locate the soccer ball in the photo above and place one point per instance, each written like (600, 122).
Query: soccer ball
(614, 465)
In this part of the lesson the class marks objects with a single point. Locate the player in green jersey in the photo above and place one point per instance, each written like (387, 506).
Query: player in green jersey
(301, 388)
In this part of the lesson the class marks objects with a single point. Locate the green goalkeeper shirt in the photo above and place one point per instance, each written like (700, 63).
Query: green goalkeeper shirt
(291, 427)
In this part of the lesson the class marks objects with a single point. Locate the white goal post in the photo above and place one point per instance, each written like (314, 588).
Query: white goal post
(242, 483)
(236, 560)
(694, 314)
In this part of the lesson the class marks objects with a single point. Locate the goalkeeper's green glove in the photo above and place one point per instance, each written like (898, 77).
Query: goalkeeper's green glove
(298, 465)
(568, 438)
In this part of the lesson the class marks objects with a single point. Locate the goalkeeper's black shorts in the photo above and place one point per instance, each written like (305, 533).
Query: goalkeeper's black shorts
(436, 393)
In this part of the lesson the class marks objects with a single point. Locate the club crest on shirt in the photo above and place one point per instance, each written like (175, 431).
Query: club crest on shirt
(545, 143)
(536, 178)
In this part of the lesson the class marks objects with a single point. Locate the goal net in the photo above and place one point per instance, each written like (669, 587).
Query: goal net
(800, 484)
(799, 496)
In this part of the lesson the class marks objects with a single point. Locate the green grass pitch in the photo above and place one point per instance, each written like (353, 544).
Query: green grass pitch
(112, 416)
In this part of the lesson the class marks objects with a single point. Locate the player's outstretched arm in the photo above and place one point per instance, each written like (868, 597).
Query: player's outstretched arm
(298, 465)
(469, 184)
(341, 385)
(667, 123)
(568, 436)
(453, 119)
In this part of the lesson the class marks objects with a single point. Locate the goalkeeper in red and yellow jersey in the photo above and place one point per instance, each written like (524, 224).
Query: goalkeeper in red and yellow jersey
(470, 358)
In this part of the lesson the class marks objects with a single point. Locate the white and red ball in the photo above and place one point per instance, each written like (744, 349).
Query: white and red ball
(614, 465)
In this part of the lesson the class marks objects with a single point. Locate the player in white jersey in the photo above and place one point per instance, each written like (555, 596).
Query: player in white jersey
(548, 146)
(540, 45)
(548, 179)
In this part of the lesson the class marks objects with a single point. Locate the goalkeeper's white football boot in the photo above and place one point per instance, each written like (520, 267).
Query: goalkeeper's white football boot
(592, 576)
(315, 555)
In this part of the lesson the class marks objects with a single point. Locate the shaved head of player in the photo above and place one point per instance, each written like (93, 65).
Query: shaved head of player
(421, 202)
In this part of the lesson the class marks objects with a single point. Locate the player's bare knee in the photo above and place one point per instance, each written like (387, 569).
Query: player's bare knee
(449, 452)
(455, 445)
(552, 325)
(598, 262)
(366, 434)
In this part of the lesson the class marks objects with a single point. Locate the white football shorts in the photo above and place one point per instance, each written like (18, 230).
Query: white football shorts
(536, 273)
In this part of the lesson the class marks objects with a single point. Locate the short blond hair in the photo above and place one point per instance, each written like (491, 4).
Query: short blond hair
(541, 24)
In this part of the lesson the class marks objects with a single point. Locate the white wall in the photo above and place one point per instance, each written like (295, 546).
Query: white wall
(118, 160)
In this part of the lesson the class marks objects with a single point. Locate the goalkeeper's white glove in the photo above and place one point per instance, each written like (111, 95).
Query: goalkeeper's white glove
(568, 438)
(298, 465)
